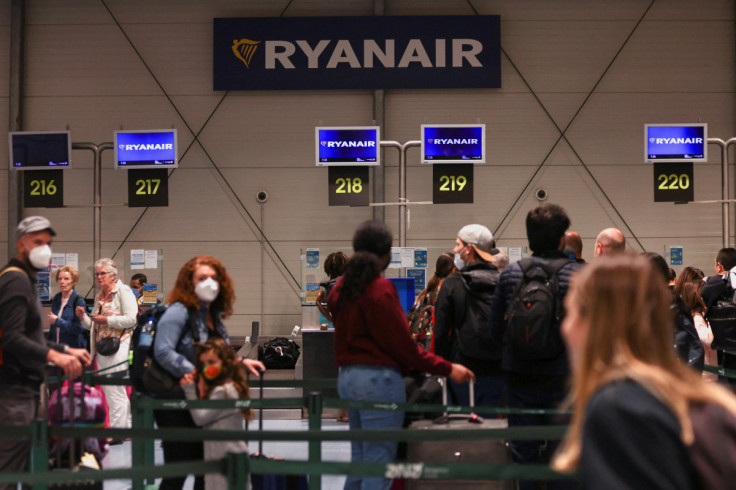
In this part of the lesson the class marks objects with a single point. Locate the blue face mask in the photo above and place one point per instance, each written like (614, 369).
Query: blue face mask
(136, 293)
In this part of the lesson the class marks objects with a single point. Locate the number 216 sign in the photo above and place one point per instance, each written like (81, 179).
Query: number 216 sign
(43, 188)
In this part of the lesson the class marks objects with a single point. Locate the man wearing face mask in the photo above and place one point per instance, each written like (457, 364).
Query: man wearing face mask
(462, 312)
(23, 348)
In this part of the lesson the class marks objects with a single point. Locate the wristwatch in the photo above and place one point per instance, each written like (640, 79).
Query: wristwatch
(66, 349)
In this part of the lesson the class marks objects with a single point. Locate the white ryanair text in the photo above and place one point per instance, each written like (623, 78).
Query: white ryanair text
(342, 52)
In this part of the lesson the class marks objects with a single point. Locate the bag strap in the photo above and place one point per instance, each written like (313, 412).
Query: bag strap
(12, 268)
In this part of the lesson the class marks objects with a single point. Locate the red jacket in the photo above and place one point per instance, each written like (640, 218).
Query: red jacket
(373, 330)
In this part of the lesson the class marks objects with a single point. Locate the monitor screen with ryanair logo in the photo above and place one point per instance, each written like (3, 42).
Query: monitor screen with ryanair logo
(320, 53)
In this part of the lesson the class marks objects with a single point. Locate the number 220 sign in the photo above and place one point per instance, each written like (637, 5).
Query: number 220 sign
(673, 182)
(348, 186)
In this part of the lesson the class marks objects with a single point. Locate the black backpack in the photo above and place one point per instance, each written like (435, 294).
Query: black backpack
(535, 312)
(722, 319)
(146, 375)
(279, 353)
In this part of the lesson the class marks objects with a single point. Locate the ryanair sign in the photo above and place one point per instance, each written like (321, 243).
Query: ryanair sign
(305, 53)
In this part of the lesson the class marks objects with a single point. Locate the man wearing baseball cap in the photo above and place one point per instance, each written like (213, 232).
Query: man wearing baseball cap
(24, 350)
(462, 314)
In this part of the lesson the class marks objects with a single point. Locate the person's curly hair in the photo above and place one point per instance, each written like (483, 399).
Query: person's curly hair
(232, 369)
(184, 288)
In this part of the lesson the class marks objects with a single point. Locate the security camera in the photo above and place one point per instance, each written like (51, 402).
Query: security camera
(262, 196)
(541, 194)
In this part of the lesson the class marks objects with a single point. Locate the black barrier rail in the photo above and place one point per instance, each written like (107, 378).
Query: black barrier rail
(235, 467)
(143, 437)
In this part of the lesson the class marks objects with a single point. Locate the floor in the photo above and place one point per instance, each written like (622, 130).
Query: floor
(119, 456)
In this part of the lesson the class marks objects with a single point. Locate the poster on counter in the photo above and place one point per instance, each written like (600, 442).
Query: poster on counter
(150, 259)
(138, 259)
(420, 257)
(150, 293)
(420, 279)
(312, 292)
(42, 285)
(312, 258)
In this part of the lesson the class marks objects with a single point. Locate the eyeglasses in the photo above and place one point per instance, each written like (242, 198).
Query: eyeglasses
(100, 274)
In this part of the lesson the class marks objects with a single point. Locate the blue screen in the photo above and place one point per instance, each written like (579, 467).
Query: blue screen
(146, 149)
(675, 142)
(347, 146)
(39, 150)
(405, 287)
(443, 144)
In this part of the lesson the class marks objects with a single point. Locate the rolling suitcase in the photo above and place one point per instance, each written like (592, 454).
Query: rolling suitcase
(74, 404)
(490, 451)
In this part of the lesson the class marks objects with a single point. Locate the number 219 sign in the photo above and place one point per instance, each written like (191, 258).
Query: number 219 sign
(348, 186)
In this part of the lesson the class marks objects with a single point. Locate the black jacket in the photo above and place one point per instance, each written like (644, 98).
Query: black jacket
(462, 311)
(24, 347)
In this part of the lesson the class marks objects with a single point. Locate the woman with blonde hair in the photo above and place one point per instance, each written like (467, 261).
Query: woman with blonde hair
(641, 417)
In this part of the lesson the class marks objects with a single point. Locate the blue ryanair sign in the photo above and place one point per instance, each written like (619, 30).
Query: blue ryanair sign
(313, 53)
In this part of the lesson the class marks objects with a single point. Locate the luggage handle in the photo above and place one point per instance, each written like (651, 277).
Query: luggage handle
(445, 417)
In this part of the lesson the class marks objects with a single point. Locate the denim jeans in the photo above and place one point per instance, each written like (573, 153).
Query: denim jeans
(362, 382)
(528, 452)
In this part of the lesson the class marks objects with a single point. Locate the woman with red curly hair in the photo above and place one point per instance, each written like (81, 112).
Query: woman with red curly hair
(203, 294)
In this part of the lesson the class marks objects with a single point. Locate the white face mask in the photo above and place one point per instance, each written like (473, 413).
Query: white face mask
(459, 262)
(40, 257)
(207, 290)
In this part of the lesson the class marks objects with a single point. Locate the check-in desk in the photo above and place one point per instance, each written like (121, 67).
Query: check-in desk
(318, 356)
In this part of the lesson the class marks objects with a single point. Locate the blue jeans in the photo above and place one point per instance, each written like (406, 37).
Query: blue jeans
(528, 452)
(362, 382)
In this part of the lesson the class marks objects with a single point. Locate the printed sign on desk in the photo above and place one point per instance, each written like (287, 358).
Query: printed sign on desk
(419, 276)
(676, 255)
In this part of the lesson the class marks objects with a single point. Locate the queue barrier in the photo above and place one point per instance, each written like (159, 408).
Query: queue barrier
(236, 467)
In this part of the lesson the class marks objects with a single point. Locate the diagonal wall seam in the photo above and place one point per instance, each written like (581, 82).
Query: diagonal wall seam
(563, 131)
(195, 135)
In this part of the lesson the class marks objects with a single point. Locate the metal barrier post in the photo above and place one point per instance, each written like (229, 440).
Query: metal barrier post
(141, 418)
(315, 447)
(39, 461)
(237, 470)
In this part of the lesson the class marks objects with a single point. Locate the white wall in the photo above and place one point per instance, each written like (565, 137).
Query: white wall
(596, 71)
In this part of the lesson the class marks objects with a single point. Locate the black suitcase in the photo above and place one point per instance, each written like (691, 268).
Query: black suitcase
(490, 451)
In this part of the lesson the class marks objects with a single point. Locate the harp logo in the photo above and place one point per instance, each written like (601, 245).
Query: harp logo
(245, 49)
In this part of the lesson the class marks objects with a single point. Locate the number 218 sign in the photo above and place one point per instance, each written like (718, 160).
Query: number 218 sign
(348, 186)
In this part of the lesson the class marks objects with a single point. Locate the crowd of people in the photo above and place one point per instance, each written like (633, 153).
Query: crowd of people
(603, 347)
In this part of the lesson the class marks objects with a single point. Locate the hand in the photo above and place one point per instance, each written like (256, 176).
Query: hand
(81, 354)
(461, 374)
(201, 387)
(254, 367)
(51, 318)
(80, 312)
(187, 379)
(70, 364)
(99, 319)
